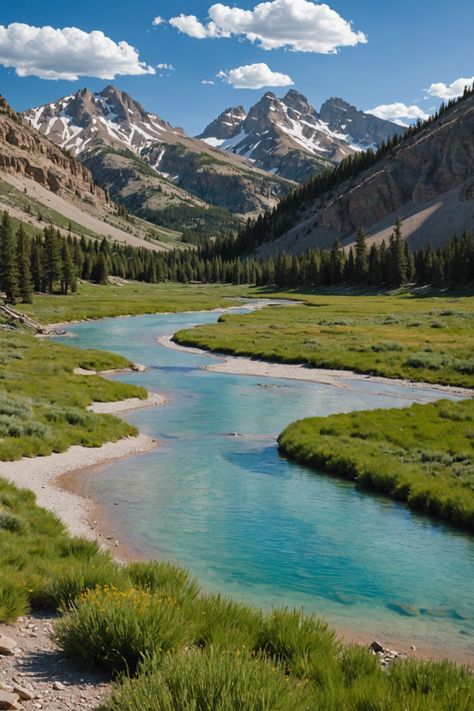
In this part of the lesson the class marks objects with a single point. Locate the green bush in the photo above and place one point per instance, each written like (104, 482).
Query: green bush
(11, 522)
(433, 685)
(304, 644)
(223, 622)
(13, 598)
(163, 578)
(211, 680)
(116, 629)
(98, 570)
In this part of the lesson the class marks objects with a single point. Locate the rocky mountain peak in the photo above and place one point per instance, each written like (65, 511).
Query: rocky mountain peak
(364, 129)
(298, 102)
(226, 125)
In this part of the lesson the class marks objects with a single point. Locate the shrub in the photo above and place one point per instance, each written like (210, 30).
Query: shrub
(82, 576)
(442, 685)
(11, 522)
(116, 629)
(163, 578)
(223, 622)
(13, 598)
(212, 680)
(305, 644)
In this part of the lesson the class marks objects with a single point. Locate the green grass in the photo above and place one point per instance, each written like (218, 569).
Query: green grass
(421, 339)
(133, 298)
(176, 649)
(43, 403)
(422, 455)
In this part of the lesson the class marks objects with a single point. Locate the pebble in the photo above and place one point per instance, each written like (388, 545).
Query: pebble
(8, 700)
(7, 645)
(58, 686)
(24, 694)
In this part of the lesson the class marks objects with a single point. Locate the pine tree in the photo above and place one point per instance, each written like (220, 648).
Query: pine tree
(336, 263)
(25, 285)
(68, 270)
(8, 260)
(52, 257)
(361, 261)
(397, 266)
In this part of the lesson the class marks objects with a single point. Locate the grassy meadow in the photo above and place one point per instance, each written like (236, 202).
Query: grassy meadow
(43, 403)
(94, 301)
(170, 647)
(422, 455)
(429, 339)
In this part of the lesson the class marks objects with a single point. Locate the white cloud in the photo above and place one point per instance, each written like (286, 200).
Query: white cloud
(450, 91)
(207, 81)
(157, 21)
(67, 53)
(299, 25)
(164, 65)
(191, 26)
(254, 76)
(397, 111)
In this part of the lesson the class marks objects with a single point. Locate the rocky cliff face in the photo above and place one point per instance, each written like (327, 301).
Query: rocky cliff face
(23, 151)
(365, 130)
(288, 137)
(427, 181)
(95, 127)
(226, 125)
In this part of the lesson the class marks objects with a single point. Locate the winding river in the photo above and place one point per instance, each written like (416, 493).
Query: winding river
(216, 497)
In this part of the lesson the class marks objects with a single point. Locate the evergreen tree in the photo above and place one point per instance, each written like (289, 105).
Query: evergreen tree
(25, 285)
(52, 257)
(68, 270)
(361, 261)
(396, 267)
(8, 261)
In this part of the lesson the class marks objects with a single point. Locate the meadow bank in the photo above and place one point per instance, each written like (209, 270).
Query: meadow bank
(176, 646)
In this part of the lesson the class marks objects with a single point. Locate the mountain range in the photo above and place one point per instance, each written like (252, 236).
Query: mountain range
(243, 162)
(149, 165)
(288, 137)
(425, 179)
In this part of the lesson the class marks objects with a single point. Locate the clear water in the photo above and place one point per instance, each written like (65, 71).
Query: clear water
(252, 524)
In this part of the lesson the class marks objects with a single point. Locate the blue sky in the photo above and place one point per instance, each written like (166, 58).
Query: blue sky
(410, 45)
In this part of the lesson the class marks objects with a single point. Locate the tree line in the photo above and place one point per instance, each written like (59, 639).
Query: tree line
(389, 265)
(52, 263)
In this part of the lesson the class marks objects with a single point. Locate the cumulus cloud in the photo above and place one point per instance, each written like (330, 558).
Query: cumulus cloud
(164, 65)
(450, 91)
(191, 26)
(254, 76)
(157, 21)
(398, 111)
(299, 25)
(67, 53)
(207, 81)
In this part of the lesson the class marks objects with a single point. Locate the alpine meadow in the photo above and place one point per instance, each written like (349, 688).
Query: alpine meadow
(236, 357)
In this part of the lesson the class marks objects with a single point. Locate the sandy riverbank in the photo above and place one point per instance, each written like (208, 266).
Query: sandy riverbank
(238, 365)
(41, 474)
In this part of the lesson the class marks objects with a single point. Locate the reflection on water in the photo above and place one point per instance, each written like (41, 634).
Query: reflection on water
(217, 497)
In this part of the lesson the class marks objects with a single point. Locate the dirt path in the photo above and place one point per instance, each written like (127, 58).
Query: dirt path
(38, 666)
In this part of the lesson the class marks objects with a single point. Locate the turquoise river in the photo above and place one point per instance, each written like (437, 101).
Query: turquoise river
(216, 497)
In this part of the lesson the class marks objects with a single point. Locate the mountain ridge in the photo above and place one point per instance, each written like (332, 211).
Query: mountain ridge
(184, 170)
(425, 178)
(288, 137)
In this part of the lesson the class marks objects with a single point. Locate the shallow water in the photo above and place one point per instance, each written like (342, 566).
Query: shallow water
(249, 523)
